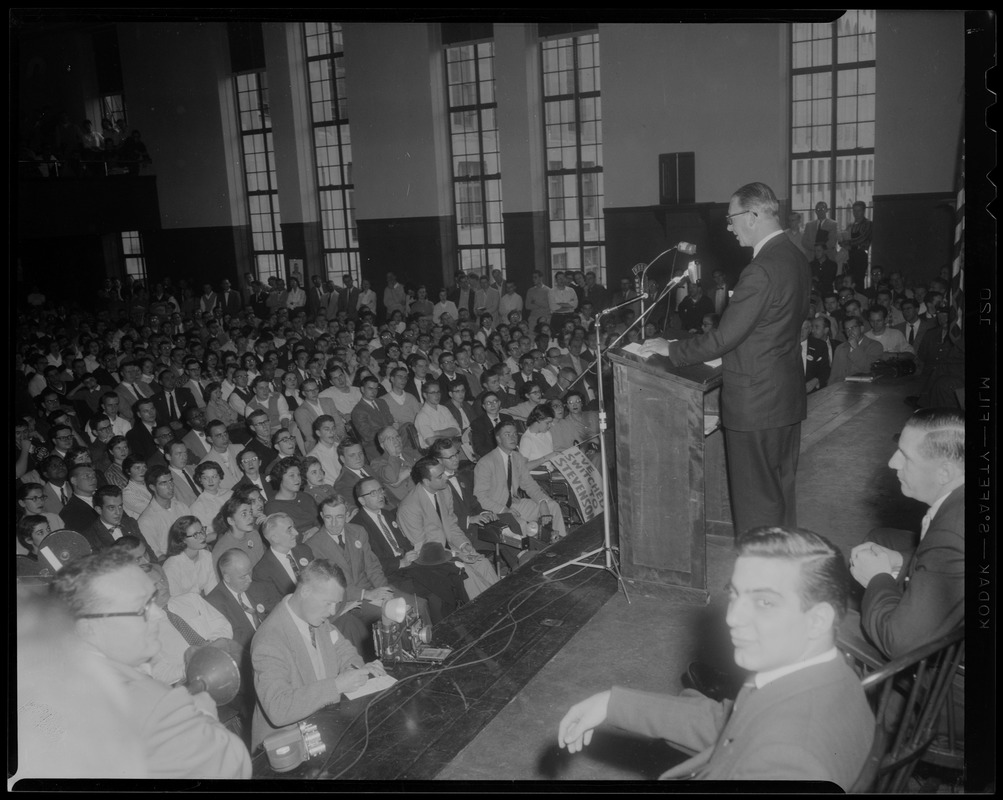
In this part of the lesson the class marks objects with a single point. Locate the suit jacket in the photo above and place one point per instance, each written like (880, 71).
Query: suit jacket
(421, 523)
(284, 677)
(247, 483)
(385, 474)
(468, 409)
(849, 361)
(824, 272)
(77, 515)
(127, 398)
(814, 724)
(99, 537)
(389, 563)
(270, 573)
(818, 365)
(230, 302)
(927, 600)
(261, 598)
(369, 421)
(180, 740)
(536, 378)
(53, 502)
(361, 566)
(196, 450)
(924, 326)
(758, 340)
(141, 441)
(491, 480)
(348, 299)
(182, 397)
(345, 485)
(482, 436)
(305, 415)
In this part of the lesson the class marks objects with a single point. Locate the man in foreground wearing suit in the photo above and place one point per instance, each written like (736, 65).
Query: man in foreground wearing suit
(763, 395)
(301, 662)
(801, 716)
(916, 594)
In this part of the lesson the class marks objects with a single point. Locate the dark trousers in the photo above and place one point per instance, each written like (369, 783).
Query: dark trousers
(761, 476)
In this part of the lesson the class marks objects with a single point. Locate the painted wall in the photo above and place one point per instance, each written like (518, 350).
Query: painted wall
(920, 100)
(716, 90)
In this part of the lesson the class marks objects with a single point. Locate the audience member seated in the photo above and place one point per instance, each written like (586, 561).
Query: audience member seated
(188, 566)
(283, 558)
(237, 597)
(371, 415)
(798, 678)
(223, 453)
(856, 354)
(393, 467)
(78, 514)
(482, 429)
(536, 443)
(236, 526)
(352, 458)
(315, 481)
(31, 530)
(693, 308)
(112, 524)
(943, 359)
(326, 449)
(180, 733)
(313, 407)
(284, 445)
(502, 474)
(161, 512)
(286, 478)
(301, 662)
(427, 515)
(892, 341)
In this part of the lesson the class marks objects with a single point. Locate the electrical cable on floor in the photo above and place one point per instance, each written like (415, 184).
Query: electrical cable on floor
(510, 621)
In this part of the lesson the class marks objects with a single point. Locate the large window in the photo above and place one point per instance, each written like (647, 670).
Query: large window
(259, 174)
(832, 112)
(332, 148)
(573, 130)
(132, 255)
(473, 129)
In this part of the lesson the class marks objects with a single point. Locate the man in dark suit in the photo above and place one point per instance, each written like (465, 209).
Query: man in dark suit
(283, 559)
(789, 646)
(914, 327)
(237, 597)
(353, 469)
(823, 270)
(172, 401)
(229, 299)
(78, 514)
(140, 438)
(913, 594)
(482, 429)
(815, 357)
(113, 524)
(418, 364)
(528, 374)
(348, 300)
(370, 415)
(763, 397)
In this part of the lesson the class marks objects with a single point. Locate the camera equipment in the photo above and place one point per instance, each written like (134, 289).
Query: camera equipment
(403, 637)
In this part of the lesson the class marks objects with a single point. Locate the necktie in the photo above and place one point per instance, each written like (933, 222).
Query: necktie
(294, 565)
(508, 458)
(116, 533)
(470, 301)
(135, 390)
(387, 535)
(313, 637)
(912, 333)
(191, 483)
(171, 406)
(437, 509)
(65, 495)
(248, 610)
(340, 539)
(188, 633)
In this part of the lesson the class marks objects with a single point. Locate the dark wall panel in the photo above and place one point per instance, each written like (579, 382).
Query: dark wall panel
(83, 206)
(199, 255)
(412, 248)
(638, 235)
(525, 247)
(913, 233)
(65, 268)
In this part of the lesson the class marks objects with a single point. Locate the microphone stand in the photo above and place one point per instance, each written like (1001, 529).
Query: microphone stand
(609, 563)
(644, 273)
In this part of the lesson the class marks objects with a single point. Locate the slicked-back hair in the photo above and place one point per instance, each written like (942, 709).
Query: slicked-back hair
(945, 433)
(320, 569)
(825, 577)
(74, 584)
(760, 198)
(423, 468)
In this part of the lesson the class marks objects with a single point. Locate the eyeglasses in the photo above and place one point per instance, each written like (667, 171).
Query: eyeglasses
(378, 490)
(144, 612)
(284, 439)
(35, 498)
(196, 535)
(730, 217)
(103, 428)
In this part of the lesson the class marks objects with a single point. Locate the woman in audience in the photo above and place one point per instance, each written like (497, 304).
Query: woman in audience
(496, 348)
(536, 444)
(587, 421)
(287, 479)
(135, 496)
(30, 531)
(316, 485)
(236, 525)
(209, 475)
(188, 566)
(564, 432)
(118, 452)
(291, 389)
(422, 305)
(31, 501)
(396, 322)
(532, 397)
(217, 408)
(148, 367)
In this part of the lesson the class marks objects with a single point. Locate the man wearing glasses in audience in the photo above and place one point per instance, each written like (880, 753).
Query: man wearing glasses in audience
(114, 604)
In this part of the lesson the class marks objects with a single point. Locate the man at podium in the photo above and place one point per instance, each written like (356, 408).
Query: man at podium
(763, 395)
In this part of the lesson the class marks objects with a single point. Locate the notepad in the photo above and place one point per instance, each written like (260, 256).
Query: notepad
(372, 686)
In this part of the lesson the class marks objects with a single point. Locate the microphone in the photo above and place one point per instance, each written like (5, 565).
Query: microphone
(638, 270)
(687, 248)
(693, 271)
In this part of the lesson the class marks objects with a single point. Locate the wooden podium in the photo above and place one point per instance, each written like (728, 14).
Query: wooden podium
(671, 490)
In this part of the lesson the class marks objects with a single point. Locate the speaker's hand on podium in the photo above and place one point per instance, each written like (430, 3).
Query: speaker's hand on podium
(652, 347)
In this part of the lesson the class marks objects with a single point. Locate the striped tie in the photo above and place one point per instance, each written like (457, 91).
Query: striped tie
(188, 633)
(249, 611)
(294, 565)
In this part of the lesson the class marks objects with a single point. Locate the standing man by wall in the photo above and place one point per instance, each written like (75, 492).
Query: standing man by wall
(763, 396)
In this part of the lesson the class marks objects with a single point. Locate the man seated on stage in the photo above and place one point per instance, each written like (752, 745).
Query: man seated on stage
(301, 662)
(502, 473)
(115, 605)
(856, 354)
(802, 715)
(913, 594)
